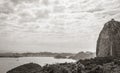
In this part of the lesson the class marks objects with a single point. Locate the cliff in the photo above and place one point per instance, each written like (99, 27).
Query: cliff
(108, 43)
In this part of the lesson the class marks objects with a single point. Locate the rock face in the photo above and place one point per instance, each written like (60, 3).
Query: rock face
(108, 43)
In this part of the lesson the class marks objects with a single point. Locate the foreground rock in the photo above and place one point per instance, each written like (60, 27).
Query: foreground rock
(26, 68)
(101, 65)
(108, 43)
(94, 65)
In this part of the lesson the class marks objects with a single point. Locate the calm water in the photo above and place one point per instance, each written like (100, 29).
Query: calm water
(9, 63)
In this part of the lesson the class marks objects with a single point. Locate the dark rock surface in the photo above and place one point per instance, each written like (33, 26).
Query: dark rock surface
(108, 43)
(101, 65)
(26, 68)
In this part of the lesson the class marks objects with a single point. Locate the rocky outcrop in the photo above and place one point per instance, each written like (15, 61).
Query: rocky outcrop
(93, 65)
(26, 68)
(108, 43)
(101, 65)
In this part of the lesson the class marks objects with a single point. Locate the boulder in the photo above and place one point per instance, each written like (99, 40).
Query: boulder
(26, 68)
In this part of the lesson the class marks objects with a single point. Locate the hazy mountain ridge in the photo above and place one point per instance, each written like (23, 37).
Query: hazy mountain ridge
(76, 56)
(83, 55)
(40, 54)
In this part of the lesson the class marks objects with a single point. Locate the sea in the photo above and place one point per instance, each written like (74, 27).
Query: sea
(7, 64)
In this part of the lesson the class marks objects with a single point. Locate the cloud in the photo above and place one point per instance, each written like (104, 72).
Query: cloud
(59, 9)
(45, 2)
(21, 1)
(42, 14)
(56, 20)
(6, 8)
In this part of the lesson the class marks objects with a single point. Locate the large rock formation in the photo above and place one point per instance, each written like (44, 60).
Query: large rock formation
(108, 43)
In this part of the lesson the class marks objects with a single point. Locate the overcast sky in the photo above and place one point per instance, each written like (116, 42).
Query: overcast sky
(54, 25)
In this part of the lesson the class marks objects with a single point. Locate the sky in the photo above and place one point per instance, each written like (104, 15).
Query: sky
(54, 25)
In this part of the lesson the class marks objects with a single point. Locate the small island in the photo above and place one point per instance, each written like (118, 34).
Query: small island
(59, 56)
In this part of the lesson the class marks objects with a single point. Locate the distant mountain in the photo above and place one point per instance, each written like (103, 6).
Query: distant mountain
(59, 56)
(80, 55)
(83, 55)
(40, 54)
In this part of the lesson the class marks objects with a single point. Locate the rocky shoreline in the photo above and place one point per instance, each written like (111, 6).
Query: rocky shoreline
(93, 65)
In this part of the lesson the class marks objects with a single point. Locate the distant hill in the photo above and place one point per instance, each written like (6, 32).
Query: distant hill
(80, 55)
(83, 55)
(59, 56)
(40, 54)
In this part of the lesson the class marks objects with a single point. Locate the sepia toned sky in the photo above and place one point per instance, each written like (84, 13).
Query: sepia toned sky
(54, 25)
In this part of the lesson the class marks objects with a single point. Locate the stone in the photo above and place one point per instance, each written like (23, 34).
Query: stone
(26, 68)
